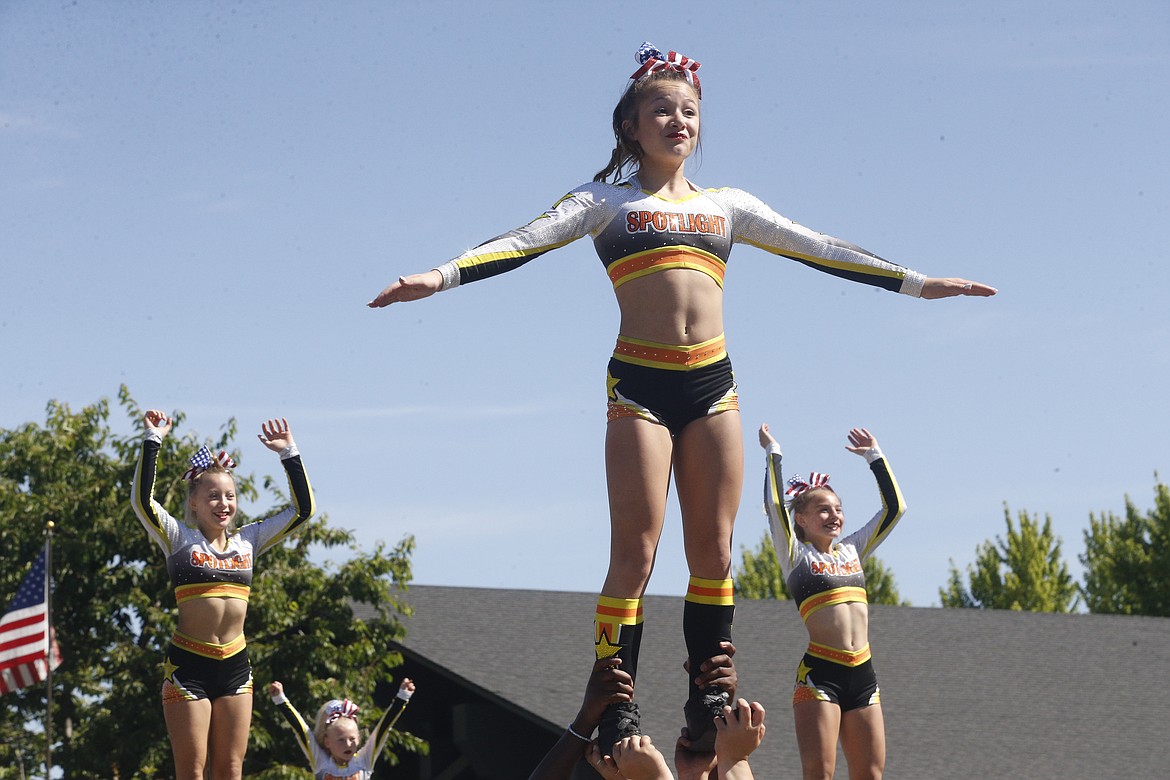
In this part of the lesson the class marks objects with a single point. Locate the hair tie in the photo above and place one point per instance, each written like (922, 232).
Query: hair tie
(202, 459)
(652, 60)
(796, 485)
(340, 709)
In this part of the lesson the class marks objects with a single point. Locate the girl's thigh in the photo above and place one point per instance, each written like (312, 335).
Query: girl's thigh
(818, 724)
(863, 740)
(231, 718)
(188, 726)
(637, 469)
(708, 473)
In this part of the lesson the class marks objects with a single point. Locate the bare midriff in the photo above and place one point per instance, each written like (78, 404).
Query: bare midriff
(844, 626)
(213, 620)
(676, 306)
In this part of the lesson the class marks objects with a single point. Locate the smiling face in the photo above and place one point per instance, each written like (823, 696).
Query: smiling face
(342, 739)
(665, 123)
(820, 517)
(213, 503)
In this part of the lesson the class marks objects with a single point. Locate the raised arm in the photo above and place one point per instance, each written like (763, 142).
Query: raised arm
(381, 732)
(277, 436)
(301, 730)
(873, 533)
(779, 521)
(161, 527)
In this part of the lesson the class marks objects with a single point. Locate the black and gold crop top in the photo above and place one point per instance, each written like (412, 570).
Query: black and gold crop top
(197, 570)
(636, 233)
(820, 579)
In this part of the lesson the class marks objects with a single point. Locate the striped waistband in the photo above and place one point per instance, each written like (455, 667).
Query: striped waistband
(828, 598)
(211, 590)
(839, 656)
(669, 356)
(208, 649)
(654, 260)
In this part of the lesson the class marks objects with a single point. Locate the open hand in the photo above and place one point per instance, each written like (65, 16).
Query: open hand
(276, 435)
(860, 441)
(934, 288)
(408, 288)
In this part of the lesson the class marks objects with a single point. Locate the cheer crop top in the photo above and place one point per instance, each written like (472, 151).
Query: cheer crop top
(816, 579)
(197, 570)
(636, 234)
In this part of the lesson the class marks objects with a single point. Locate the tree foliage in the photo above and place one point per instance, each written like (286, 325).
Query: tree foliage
(114, 611)
(759, 577)
(1023, 571)
(1127, 561)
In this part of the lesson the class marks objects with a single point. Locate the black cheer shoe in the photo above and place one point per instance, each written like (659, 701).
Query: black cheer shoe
(620, 720)
(701, 710)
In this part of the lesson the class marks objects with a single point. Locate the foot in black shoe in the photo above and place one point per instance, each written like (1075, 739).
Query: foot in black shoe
(620, 720)
(701, 712)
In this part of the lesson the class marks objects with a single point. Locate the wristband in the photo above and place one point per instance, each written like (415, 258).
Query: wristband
(570, 729)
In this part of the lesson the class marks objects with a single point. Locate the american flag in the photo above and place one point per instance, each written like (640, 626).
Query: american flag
(26, 642)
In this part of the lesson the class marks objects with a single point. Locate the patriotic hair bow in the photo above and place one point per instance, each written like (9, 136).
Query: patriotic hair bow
(338, 708)
(796, 485)
(652, 60)
(202, 459)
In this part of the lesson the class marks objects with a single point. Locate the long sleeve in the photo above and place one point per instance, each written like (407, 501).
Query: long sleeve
(271, 531)
(581, 212)
(756, 224)
(381, 732)
(779, 521)
(159, 525)
(893, 507)
(301, 730)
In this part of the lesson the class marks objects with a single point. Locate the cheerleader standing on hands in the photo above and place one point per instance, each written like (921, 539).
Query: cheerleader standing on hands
(672, 401)
(207, 678)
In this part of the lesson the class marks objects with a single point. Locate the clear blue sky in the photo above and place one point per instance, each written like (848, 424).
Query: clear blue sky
(197, 200)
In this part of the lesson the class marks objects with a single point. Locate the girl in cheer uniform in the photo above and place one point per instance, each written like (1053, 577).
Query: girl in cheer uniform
(207, 679)
(836, 694)
(672, 402)
(333, 744)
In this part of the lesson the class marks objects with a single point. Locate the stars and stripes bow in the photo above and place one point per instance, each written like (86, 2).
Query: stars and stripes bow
(797, 485)
(653, 60)
(340, 708)
(203, 458)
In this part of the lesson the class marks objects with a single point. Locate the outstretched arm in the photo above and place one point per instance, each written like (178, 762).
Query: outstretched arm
(573, 216)
(409, 288)
(933, 287)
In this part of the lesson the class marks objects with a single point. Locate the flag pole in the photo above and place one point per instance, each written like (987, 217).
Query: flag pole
(49, 650)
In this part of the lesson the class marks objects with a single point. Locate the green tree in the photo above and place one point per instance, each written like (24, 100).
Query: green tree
(1127, 561)
(1023, 571)
(114, 610)
(759, 577)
